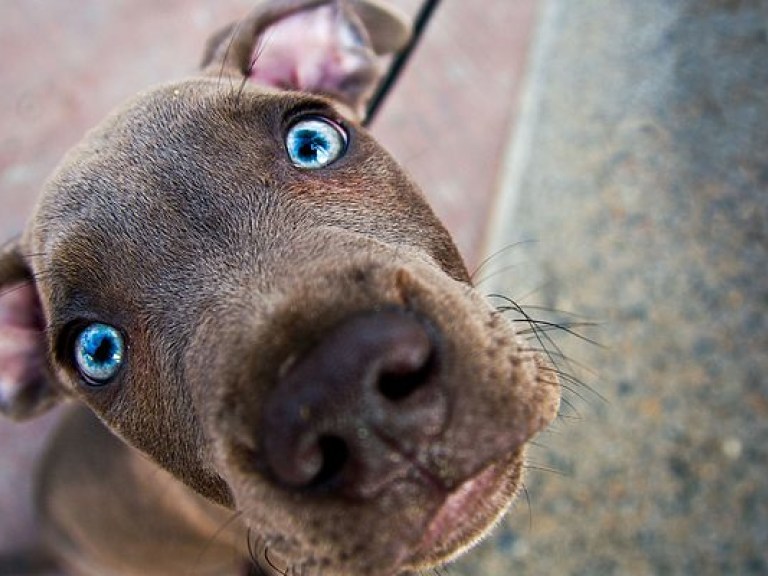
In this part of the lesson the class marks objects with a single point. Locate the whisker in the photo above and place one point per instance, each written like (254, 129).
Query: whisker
(30, 255)
(568, 377)
(249, 544)
(537, 290)
(553, 310)
(15, 287)
(524, 490)
(253, 555)
(261, 44)
(539, 336)
(218, 533)
(568, 359)
(575, 415)
(500, 272)
(540, 468)
(573, 392)
(564, 417)
(23, 283)
(495, 255)
(271, 564)
(536, 444)
(239, 93)
(548, 325)
(539, 329)
(235, 32)
(567, 328)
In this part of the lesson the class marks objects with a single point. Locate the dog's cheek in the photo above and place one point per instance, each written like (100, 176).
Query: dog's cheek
(366, 192)
(149, 406)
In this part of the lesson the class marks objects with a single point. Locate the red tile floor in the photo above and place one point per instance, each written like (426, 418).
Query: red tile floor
(448, 122)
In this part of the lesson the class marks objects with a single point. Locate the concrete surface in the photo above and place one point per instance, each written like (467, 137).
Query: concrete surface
(641, 171)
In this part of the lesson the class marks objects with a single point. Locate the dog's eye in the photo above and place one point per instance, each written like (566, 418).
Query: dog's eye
(315, 142)
(99, 352)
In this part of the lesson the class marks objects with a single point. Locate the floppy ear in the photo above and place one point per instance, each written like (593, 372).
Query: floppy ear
(328, 47)
(26, 388)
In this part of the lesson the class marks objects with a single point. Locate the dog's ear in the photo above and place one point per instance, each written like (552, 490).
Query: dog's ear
(328, 47)
(26, 388)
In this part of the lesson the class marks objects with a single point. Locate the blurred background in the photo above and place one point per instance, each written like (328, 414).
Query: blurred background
(603, 163)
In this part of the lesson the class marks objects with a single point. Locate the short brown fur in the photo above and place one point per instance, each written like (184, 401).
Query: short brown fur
(181, 220)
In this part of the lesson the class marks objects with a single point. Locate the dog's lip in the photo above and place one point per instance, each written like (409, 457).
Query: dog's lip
(471, 508)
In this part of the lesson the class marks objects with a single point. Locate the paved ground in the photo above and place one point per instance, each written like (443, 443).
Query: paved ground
(641, 169)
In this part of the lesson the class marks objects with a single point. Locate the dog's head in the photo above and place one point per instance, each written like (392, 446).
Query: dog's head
(243, 285)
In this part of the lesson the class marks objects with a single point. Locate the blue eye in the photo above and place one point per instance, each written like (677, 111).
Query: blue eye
(99, 351)
(315, 142)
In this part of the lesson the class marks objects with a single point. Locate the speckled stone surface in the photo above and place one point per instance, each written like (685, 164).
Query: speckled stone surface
(644, 183)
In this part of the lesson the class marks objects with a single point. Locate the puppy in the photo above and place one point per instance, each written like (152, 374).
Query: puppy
(275, 353)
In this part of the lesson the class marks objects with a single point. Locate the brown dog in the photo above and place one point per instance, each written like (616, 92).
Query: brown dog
(276, 350)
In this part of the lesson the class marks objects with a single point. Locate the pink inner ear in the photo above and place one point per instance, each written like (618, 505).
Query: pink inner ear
(22, 343)
(20, 307)
(312, 51)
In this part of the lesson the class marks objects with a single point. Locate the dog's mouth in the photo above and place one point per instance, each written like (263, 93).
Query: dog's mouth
(457, 523)
(469, 512)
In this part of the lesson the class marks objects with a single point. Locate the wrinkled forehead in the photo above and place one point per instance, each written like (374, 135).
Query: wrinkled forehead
(172, 173)
(197, 174)
(184, 151)
(193, 125)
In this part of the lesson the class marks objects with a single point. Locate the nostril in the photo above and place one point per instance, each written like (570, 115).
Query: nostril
(374, 381)
(335, 454)
(397, 385)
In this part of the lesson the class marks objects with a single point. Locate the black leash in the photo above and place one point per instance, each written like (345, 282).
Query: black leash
(386, 84)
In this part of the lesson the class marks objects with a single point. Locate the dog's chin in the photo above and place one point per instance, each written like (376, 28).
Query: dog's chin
(457, 521)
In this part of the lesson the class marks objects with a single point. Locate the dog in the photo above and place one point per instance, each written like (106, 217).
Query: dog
(274, 354)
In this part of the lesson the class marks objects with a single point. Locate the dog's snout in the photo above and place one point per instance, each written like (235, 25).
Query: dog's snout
(348, 415)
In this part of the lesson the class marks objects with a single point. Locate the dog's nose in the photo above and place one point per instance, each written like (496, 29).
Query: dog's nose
(349, 414)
